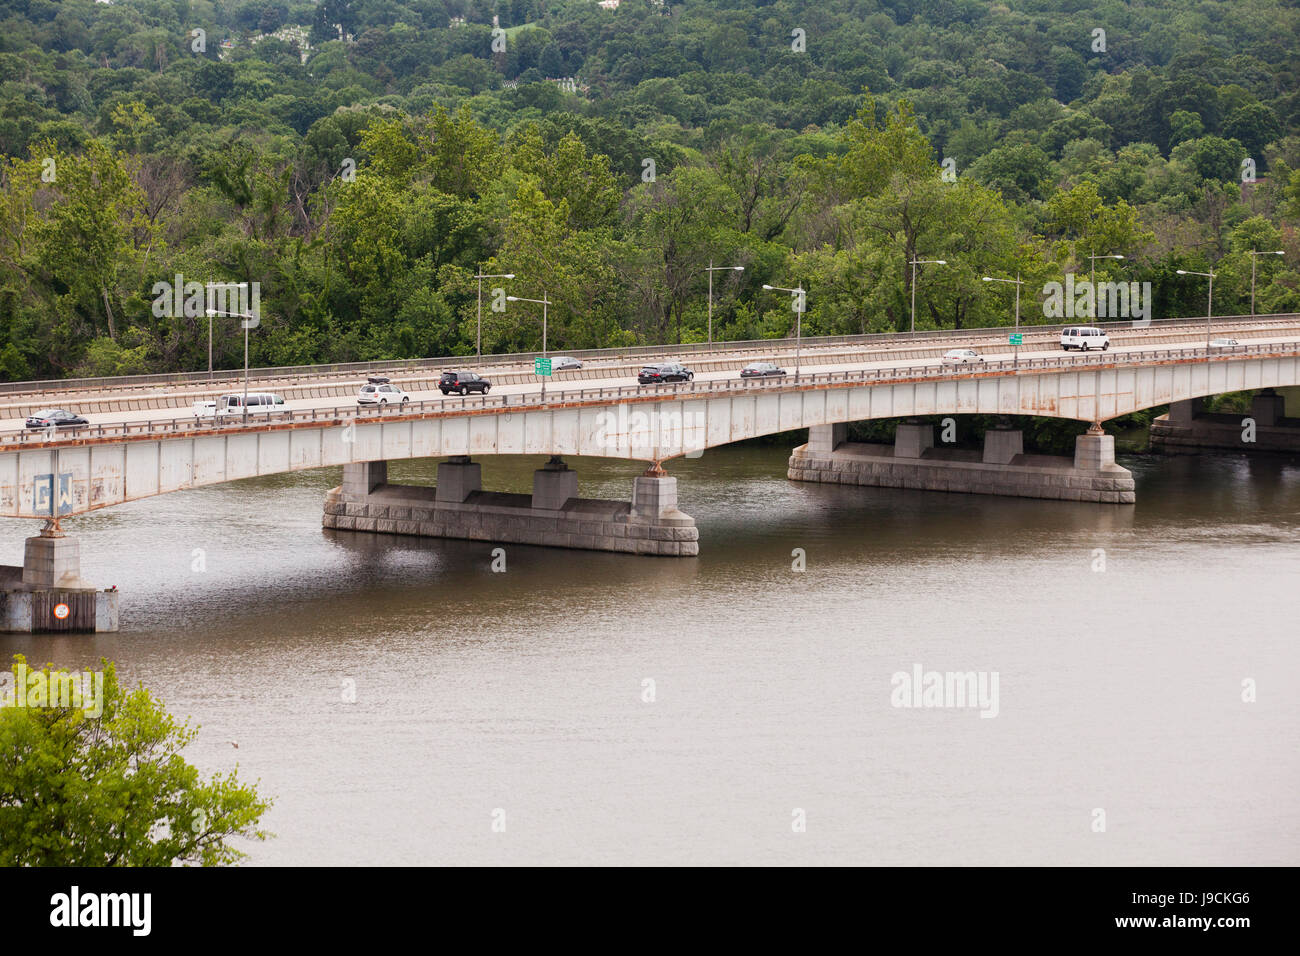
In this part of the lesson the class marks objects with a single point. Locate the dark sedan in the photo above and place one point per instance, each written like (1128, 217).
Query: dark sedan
(761, 370)
(665, 372)
(54, 418)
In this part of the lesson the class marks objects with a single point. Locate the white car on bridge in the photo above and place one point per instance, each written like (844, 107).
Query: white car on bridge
(378, 390)
(259, 403)
(962, 357)
(1084, 338)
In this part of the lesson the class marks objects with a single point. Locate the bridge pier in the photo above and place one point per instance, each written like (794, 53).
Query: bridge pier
(1188, 429)
(552, 516)
(1000, 468)
(47, 593)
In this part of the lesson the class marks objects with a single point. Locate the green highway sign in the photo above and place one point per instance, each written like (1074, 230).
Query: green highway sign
(1017, 338)
(542, 366)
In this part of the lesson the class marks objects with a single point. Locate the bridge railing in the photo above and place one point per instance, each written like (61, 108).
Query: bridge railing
(350, 414)
(755, 347)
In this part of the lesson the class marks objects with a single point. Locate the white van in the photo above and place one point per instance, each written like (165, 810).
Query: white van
(1084, 338)
(259, 403)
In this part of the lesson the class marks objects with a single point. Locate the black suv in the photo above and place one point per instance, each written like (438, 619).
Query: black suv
(463, 383)
(665, 372)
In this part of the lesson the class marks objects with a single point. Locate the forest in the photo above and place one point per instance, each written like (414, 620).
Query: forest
(363, 160)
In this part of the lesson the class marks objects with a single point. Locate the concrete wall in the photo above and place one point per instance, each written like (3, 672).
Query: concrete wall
(1186, 429)
(874, 465)
(650, 525)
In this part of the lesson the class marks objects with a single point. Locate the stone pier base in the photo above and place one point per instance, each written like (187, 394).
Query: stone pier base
(1188, 430)
(1001, 468)
(553, 516)
(47, 595)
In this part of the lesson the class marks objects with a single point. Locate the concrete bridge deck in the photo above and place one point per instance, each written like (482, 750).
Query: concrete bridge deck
(114, 462)
(605, 366)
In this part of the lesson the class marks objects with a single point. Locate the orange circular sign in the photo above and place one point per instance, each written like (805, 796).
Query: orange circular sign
(61, 611)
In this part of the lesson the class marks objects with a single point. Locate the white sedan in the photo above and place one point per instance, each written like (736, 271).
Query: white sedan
(380, 391)
(962, 357)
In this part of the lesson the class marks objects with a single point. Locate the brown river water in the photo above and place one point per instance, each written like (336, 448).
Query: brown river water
(598, 708)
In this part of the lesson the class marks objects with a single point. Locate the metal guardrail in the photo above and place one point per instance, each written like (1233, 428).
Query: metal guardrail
(902, 339)
(341, 414)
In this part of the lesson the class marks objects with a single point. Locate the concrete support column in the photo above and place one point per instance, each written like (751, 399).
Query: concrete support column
(653, 497)
(362, 477)
(824, 439)
(1182, 413)
(912, 439)
(1094, 451)
(52, 562)
(553, 485)
(1268, 408)
(1003, 444)
(458, 479)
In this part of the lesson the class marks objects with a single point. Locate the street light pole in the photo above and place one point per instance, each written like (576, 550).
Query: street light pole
(544, 302)
(246, 319)
(915, 263)
(1209, 306)
(1092, 280)
(478, 338)
(800, 303)
(712, 269)
(211, 312)
(1017, 283)
(1254, 257)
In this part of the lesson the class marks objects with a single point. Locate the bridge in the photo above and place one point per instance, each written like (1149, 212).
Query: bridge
(140, 452)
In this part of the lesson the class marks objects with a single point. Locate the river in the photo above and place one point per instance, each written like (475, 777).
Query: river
(605, 708)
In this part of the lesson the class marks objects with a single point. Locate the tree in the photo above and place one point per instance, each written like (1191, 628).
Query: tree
(1212, 157)
(93, 776)
(877, 152)
(1020, 172)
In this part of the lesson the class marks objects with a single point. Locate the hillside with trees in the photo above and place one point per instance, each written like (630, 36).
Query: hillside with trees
(362, 159)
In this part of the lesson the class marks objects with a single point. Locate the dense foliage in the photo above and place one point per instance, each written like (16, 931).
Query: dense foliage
(91, 774)
(362, 163)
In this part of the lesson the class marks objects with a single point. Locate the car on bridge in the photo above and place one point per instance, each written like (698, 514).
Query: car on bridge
(1084, 338)
(762, 370)
(962, 357)
(55, 418)
(228, 406)
(378, 390)
(565, 363)
(1224, 344)
(664, 372)
(463, 383)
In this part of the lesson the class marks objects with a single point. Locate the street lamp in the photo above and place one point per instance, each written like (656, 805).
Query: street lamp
(1253, 259)
(1092, 279)
(211, 312)
(1017, 283)
(478, 338)
(246, 320)
(1209, 305)
(800, 301)
(710, 270)
(543, 302)
(915, 263)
